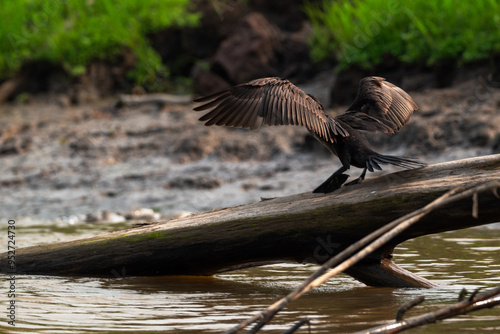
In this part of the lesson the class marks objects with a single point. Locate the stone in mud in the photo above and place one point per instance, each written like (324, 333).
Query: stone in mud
(194, 182)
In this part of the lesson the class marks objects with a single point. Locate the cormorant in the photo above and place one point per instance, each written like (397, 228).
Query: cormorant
(379, 106)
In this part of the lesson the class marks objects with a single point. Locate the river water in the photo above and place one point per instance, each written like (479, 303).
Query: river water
(454, 260)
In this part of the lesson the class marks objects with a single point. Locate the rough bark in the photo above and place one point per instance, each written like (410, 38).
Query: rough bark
(304, 227)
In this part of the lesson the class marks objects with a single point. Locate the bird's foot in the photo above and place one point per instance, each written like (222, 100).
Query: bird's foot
(353, 182)
(333, 183)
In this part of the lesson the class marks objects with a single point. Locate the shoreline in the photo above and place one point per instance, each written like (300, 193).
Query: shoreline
(61, 161)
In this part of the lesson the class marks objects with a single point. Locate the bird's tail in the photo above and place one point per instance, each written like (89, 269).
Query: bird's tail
(374, 162)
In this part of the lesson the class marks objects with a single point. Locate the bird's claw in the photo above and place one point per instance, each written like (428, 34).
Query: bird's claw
(353, 182)
(333, 183)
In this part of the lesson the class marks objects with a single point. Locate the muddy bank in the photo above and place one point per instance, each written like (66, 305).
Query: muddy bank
(61, 161)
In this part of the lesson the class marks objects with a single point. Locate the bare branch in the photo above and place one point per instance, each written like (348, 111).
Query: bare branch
(487, 299)
(297, 325)
(407, 306)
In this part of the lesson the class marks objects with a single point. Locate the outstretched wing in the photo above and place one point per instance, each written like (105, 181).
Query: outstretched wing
(379, 106)
(271, 101)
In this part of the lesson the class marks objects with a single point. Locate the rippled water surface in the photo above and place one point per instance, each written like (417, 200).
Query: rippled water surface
(454, 260)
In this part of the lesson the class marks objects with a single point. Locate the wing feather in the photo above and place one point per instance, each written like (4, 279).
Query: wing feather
(236, 118)
(286, 108)
(273, 105)
(271, 101)
(294, 112)
(247, 117)
(379, 106)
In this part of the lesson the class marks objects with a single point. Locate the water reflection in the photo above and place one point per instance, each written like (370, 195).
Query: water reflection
(454, 260)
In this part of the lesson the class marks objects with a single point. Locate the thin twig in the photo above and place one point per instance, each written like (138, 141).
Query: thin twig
(407, 306)
(473, 294)
(299, 324)
(342, 260)
(481, 301)
(462, 294)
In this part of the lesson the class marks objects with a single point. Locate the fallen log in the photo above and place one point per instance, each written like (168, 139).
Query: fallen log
(304, 227)
(360, 250)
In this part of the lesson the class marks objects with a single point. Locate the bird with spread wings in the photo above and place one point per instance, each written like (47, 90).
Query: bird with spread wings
(379, 106)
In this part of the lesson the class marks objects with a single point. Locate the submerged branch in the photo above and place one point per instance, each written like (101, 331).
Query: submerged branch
(407, 306)
(299, 324)
(486, 299)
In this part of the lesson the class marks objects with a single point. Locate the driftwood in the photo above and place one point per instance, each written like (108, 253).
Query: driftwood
(305, 227)
(358, 251)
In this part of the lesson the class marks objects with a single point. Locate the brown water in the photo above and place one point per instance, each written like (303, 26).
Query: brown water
(454, 260)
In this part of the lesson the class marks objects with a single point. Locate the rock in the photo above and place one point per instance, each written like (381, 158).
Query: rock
(202, 182)
(248, 53)
(208, 82)
(10, 87)
(345, 87)
(286, 14)
(92, 217)
(143, 214)
(111, 217)
(256, 48)
(71, 220)
(294, 55)
(15, 145)
(81, 145)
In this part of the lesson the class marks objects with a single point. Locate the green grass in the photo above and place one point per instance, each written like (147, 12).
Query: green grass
(76, 32)
(362, 33)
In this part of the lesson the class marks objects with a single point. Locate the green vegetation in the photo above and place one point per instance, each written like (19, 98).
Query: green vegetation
(362, 33)
(76, 32)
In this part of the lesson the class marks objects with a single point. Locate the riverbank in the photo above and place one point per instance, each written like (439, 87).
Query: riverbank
(59, 160)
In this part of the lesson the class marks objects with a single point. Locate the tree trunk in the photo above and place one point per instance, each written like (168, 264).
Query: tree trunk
(304, 227)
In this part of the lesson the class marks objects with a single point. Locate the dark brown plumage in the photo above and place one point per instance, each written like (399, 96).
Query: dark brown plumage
(379, 106)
